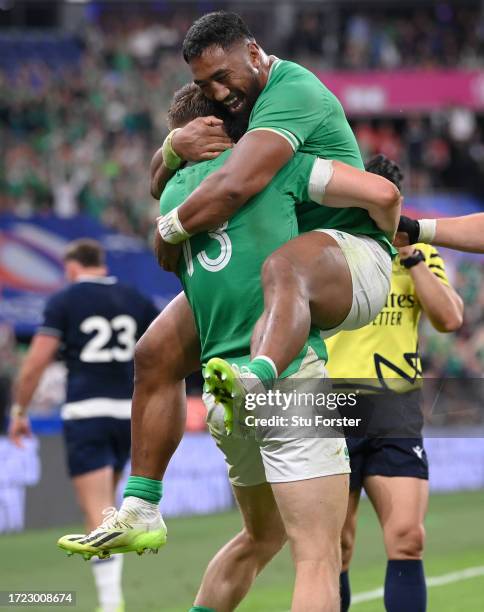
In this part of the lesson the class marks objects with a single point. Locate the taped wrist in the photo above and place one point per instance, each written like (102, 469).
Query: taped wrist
(427, 230)
(170, 158)
(170, 228)
(321, 174)
(17, 411)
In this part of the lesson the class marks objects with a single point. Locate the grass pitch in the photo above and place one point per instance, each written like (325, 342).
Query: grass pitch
(167, 582)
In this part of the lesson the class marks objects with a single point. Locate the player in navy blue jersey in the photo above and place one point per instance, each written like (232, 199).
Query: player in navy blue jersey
(95, 323)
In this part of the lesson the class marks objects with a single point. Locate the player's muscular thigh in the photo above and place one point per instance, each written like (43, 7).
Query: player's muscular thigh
(323, 274)
(170, 348)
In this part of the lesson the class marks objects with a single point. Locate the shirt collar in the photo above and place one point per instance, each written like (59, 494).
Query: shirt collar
(101, 280)
(275, 63)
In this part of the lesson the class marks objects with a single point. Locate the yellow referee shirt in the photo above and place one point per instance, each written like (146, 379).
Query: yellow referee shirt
(385, 352)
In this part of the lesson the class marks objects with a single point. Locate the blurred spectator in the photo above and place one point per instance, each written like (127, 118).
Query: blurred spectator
(460, 355)
(443, 154)
(8, 364)
(443, 34)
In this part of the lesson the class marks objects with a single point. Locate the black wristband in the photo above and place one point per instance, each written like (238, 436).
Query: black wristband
(415, 258)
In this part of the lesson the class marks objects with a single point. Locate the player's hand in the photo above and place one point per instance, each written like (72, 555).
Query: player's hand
(407, 233)
(406, 251)
(167, 254)
(201, 139)
(19, 428)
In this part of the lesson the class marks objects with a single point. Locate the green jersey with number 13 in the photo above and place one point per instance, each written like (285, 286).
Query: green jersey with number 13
(220, 270)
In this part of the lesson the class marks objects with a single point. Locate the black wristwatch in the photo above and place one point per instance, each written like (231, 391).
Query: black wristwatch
(415, 258)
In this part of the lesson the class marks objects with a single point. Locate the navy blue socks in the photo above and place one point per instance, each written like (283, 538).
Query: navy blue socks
(344, 591)
(405, 587)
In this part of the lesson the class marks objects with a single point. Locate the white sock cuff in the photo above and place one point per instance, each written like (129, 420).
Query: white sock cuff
(112, 560)
(270, 362)
(131, 502)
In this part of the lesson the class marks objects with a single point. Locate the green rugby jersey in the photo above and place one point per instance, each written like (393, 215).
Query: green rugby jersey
(220, 270)
(295, 104)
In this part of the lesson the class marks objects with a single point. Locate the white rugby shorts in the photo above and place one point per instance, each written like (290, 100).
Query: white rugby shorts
(371, 271)
(252, 461)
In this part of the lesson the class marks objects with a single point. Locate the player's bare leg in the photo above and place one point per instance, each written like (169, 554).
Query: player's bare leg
(165, 355)
(234, 568)
(401, 504)
(348, 535)
(313, 512)
(305, 281)
(95, 492)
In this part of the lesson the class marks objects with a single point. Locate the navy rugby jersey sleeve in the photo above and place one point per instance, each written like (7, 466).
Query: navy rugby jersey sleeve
(55, 316)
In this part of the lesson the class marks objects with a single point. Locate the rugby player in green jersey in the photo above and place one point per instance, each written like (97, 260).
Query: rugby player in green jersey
(158, 415)
(220, 272)
(335, 279)
(217, 320)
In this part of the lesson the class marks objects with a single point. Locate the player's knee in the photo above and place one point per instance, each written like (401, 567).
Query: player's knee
(347, 547)
(405, 540)
(279, 269)
(145, 359)
(264, 545)
(323, 547)
(149, 356)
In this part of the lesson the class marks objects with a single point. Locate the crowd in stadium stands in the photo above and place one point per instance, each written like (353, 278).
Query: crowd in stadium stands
(77, 133)
(459, 355)
(389, 37)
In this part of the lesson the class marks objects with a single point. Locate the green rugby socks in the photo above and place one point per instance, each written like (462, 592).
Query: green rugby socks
(145, 488)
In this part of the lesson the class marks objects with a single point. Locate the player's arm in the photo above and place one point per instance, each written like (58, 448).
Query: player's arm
(440, 302)
(160, 174)
(255, 160)
(201, 139)
(464, 233)
(281, 124)
(41, 353)
(339, 185)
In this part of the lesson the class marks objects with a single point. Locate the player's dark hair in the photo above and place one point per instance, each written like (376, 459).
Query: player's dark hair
(89, 253)
(187, 104)
(221, 28)
(383, 166)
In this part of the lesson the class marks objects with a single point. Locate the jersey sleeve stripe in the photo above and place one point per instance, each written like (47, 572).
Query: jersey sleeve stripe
(437, 267)
(49, 331)
(291, 139)
(442, 278)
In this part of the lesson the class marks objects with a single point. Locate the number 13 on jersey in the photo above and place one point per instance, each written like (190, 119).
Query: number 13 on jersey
(211, 264)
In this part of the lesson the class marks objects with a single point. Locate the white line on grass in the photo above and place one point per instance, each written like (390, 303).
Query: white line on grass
(465, 574)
